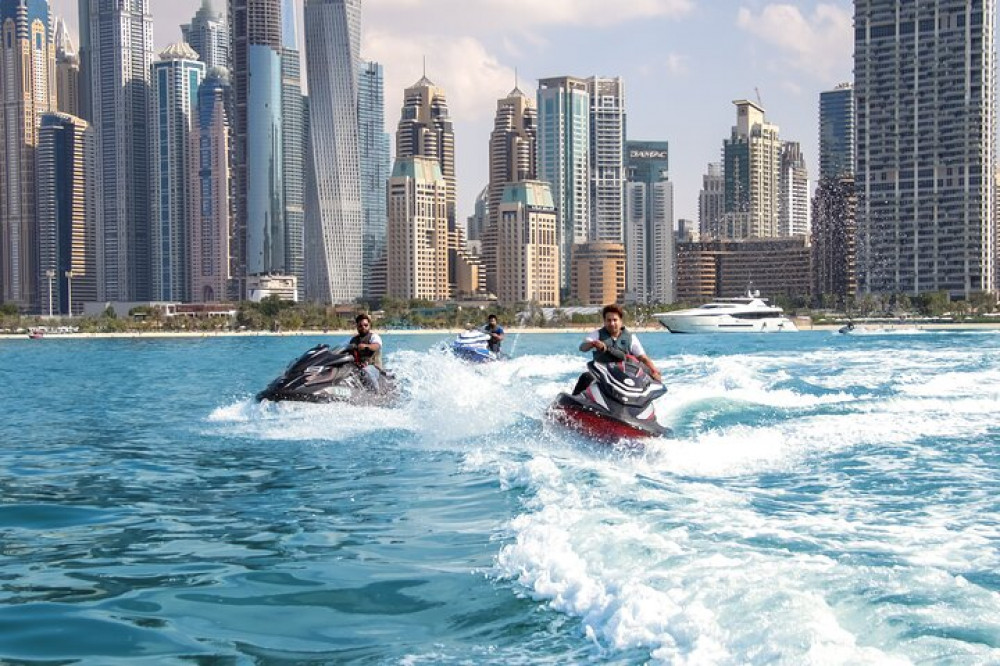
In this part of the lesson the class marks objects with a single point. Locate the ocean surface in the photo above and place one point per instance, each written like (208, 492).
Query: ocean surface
(825, 499)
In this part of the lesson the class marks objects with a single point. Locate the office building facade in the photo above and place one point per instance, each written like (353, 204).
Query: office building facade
(649, 223)
(793, 197)
(527, 247)
(417, 230)
(607, 159)
(751, 163)
(375, 165)
(208, 35)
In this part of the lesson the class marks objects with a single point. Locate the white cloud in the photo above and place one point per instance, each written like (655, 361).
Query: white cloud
(819, 44)
(677, 64)
(473, 78)
(490, 15)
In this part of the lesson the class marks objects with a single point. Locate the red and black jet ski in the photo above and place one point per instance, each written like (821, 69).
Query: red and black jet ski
(612, 401)
(323, 374)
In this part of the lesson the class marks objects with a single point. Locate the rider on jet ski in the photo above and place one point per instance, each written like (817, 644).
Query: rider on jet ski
(612, 343)
(368, 346)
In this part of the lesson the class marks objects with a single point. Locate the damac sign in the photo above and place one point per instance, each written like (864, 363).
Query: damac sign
(648, 154)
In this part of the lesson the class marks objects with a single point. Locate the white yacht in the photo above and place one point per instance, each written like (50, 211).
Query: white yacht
(749, 313)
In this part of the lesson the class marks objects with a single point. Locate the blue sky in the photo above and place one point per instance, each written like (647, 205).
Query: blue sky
(683, 61)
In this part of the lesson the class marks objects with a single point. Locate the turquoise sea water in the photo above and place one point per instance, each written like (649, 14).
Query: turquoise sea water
(826, 499)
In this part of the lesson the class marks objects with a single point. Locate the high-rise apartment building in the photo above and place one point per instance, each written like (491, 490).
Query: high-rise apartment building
(67, 71)
(607, 159)
(564, 161)
(527, 248)
(375, 164)
(836, 132)
(208, 35)
(27, 89)
(793, 197)
(116, 57)
(834, 225)
(293, 151)
(211, 203)
(176, 77)
(751, 163)
(712, 202)
(417, 231)
(67, 219)
(649, 223)
(334, 217)
(925, 89)
(513, 152)
(258, 191)
(425, 130)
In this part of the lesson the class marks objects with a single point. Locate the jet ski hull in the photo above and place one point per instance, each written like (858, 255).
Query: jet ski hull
(324, 375)
(591, 420)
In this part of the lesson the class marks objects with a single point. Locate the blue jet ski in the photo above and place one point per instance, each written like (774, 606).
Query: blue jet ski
(473, 346)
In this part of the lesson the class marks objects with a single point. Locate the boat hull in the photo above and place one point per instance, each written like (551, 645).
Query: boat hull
(727, 324)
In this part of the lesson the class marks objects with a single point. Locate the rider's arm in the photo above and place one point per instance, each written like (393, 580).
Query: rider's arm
(648, 362)
(593, 341)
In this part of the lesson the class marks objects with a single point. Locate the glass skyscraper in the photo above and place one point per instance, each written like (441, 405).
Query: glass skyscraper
(649, 223)
(176, 78)
(373, 143)
(116, 48)
(208, 35)
(293, 139)
(334, 218)
(564, 161)
(836, 132)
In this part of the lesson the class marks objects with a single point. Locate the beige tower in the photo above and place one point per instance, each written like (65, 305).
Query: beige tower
(598, 273)
(417, 230)
(512, 159)
(27, 89)
(425, 130)
(752, 175)
(527, 246)
(67, 71)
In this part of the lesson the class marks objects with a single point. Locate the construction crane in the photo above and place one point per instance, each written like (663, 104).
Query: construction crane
(757, 92)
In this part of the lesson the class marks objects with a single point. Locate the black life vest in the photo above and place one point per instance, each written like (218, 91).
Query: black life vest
(366, 356)
(623, 343)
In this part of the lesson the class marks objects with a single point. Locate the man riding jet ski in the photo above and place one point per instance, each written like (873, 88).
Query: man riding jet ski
(348, 373)
(614, 398)
(473, 346)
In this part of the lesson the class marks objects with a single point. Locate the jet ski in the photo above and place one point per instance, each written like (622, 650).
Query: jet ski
(614, 403)
(473, 345)
(325, 374)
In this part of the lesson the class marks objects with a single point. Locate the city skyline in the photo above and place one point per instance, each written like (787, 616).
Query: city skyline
(679, 81)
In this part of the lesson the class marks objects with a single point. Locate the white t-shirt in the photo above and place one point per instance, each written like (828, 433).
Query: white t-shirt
(635, 350)
(375, 340)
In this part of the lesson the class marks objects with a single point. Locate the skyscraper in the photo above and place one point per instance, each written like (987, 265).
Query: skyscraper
(417, 231)
(67, 71)
(527, 248)
(836, 131)
(607, 161)
(67, 219)
(793, 197)
(513, 155)
(334, 220)
(924, 83)
(834, 225)
(116, 47)
(425, 130)
(564, 161)
(751, 163)
(27, 89)
(208, 35)
(211, 204)
(376, 162)
(176, 77)
(259, 229)
(649, 223)
(293, 148)
(712, 202)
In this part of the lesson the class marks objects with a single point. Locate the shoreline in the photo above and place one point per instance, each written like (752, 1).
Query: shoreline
(582, 330)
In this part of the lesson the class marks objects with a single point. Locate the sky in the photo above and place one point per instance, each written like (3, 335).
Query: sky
(683, 63)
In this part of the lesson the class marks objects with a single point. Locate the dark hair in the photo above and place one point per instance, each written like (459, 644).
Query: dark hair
(362, 316)
(492, 316)
(613, 308)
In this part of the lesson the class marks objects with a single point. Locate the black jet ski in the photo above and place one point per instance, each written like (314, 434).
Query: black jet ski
(613, 401)
(323, 374)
